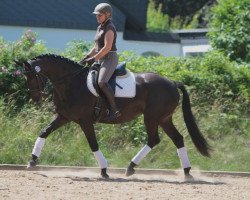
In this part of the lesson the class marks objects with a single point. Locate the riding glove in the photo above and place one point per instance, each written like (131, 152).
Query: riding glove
(90, 61)
(83, 60)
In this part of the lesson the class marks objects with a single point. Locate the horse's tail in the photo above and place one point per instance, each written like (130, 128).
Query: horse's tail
(196, 136)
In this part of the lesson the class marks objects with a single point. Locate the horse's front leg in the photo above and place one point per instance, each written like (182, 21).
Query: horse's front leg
(39, 144)
(88, 129)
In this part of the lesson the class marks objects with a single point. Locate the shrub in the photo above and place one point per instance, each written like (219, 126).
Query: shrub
(218, 88)
(76, 49)
(27, 47)
(157, 21)
(229, 28)
(212, 80)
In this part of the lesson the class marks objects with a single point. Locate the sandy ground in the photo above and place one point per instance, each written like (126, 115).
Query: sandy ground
(86, 184)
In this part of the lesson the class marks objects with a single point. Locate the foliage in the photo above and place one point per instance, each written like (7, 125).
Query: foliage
(230, 30)
(76, 49)
(219, 92)
(156, 20)
(25, 48)
(228, 134)
(212, 79)
(181, 14)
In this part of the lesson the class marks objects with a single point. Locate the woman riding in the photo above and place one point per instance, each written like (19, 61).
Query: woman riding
(104, 52)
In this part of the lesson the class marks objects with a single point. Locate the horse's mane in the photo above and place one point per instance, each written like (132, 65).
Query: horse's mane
(57, 57)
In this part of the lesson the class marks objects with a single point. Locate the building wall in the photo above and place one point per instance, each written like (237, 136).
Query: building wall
(53, 38)
(58, 38)
(165, 49)
(195, 47)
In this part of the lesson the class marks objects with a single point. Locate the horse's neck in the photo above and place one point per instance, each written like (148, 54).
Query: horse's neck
(59, 71)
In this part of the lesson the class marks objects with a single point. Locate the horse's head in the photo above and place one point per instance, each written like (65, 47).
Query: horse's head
(36, 81)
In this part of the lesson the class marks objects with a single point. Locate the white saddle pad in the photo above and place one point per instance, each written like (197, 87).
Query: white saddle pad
(126, 88)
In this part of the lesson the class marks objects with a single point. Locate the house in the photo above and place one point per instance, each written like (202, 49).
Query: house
(58, 22)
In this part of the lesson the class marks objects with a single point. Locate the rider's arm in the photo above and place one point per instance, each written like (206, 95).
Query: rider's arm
(92, 52)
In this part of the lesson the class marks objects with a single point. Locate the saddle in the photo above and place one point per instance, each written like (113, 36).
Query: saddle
(122, 83)
(119, 71)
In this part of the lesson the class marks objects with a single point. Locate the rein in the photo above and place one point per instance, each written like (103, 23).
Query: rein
(41, 83)
(40, 86)
(71, 75)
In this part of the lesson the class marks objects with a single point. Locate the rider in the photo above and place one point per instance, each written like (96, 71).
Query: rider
(104, 52)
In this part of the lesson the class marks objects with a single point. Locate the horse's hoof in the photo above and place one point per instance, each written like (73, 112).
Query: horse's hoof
(130, 171)
(189, 178)
(31, 164)
(104, 173)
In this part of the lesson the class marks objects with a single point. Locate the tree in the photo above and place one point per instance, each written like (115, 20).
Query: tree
(229, 28)
(185, 10)
(157, 21)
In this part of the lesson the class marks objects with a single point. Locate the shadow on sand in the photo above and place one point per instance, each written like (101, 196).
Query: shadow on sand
(149, 180)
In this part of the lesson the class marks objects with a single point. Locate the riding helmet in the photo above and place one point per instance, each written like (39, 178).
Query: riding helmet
(102, 8)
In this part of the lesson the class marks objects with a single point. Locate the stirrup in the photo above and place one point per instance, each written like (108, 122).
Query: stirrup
(117, 114)
(113, 115)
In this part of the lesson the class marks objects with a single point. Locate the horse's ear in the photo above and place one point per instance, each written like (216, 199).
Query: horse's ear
(26, 65)
(23, 64)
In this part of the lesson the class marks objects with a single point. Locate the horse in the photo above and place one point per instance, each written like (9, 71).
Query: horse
(156, 98)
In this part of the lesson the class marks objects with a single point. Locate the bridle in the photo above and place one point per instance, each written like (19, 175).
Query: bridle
(39, 80)
(40, 77)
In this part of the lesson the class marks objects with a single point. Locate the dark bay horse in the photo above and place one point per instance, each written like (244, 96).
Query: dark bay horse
(156, 98)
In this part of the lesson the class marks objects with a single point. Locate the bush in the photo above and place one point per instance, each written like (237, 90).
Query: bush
(156, 20)
(218, 88)
(212, 80)
(76, 50)
(229, 28)
(12, 87)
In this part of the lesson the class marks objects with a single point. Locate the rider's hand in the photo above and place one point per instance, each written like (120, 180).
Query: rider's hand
(90, 61)
(82, 62)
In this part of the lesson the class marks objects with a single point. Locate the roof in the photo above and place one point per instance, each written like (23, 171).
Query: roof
(75, 14)
(170, 37)
(151, 36)
(135, 12)
(129, 16)
(191, 33)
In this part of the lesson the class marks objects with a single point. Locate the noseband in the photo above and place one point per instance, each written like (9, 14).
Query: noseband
(40, 81)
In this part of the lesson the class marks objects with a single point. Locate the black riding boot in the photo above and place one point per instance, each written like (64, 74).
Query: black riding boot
(114, 112)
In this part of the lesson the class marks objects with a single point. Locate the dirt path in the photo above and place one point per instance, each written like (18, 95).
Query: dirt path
(87, 184)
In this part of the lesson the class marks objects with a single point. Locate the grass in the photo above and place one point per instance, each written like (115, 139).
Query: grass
(219, 91)
(68, 145)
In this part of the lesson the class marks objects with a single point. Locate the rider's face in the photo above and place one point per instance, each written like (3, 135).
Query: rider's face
(101, 18)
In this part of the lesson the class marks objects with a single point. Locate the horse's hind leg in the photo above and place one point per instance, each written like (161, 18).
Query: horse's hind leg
(177, 139)
(55, 124)
(153, 140)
